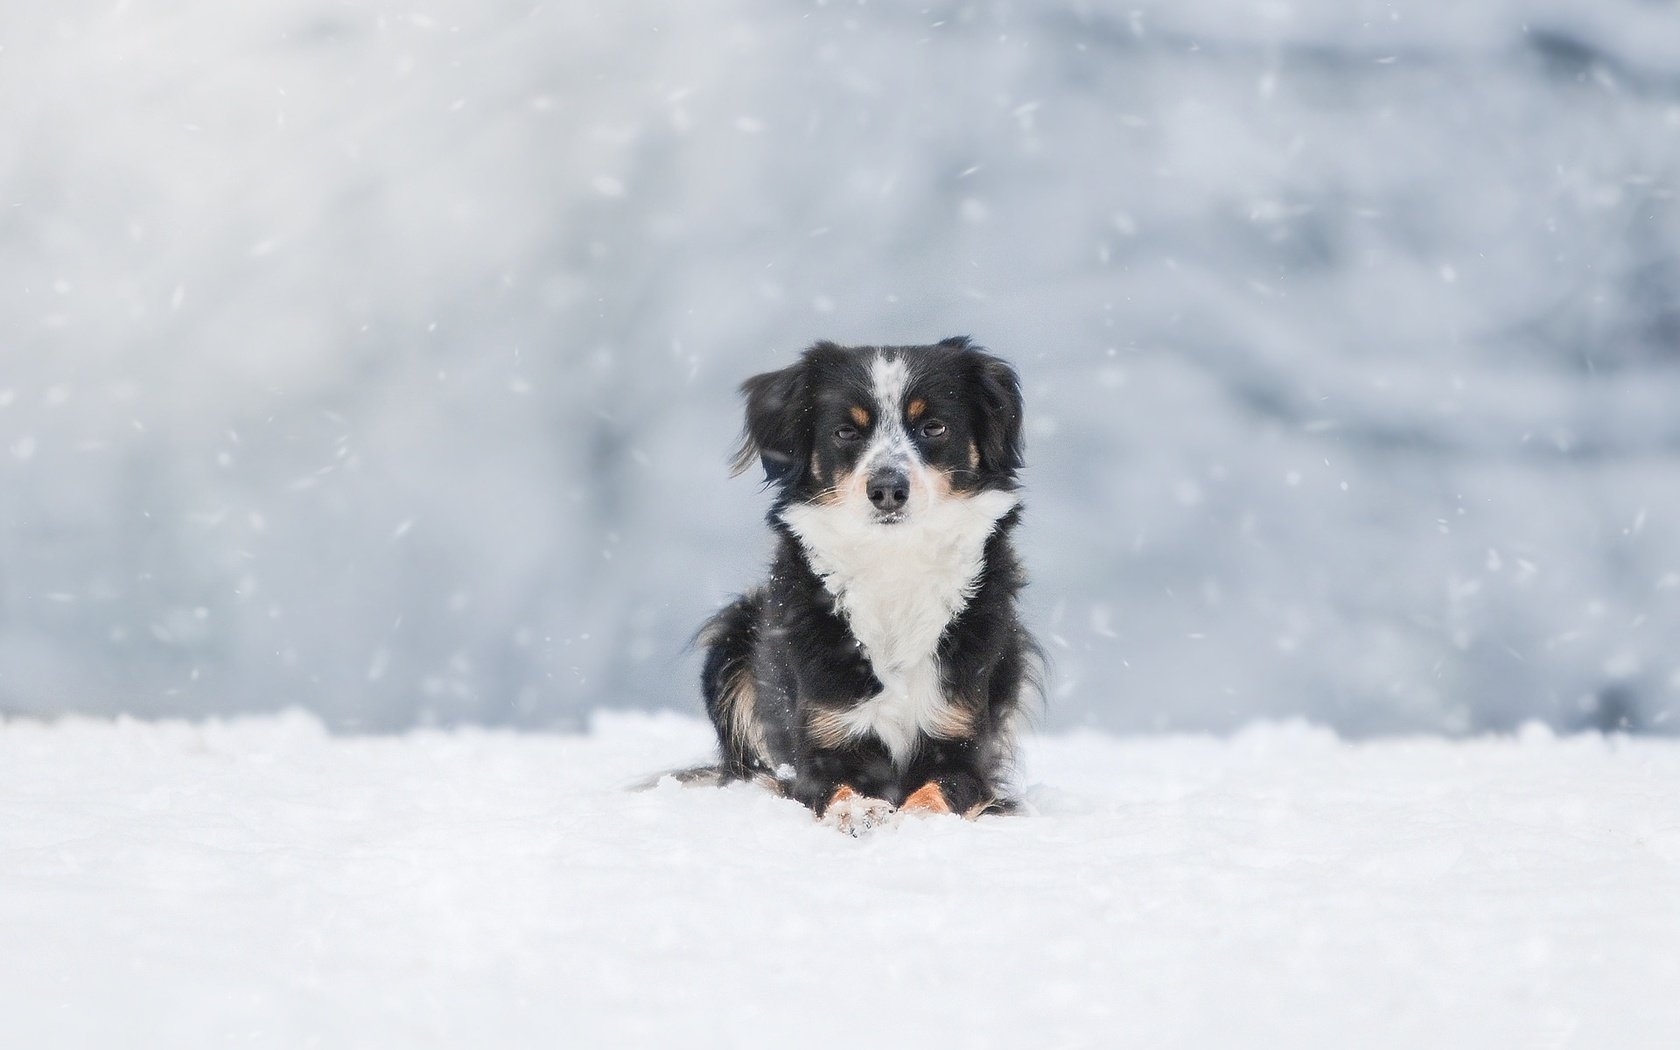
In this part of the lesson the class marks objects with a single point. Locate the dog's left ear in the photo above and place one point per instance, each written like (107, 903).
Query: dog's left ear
(777, 430)
(998, 427)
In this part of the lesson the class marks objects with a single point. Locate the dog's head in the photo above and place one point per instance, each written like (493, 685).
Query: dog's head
(885, 432)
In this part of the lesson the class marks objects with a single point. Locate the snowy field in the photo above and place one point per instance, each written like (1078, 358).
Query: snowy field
(264, 883)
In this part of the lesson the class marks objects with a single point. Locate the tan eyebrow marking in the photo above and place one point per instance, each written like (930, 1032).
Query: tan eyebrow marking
(860, 416)
(917, 407)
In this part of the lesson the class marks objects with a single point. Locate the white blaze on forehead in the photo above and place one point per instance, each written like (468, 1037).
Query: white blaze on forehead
(889, 379)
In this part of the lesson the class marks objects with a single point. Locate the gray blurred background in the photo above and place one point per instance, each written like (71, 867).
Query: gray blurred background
(380, 360)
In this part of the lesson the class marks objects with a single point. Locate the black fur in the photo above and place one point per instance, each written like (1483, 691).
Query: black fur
(787, 651)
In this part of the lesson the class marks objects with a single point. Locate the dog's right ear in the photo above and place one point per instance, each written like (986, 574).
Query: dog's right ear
(999, 429)
(778, 430)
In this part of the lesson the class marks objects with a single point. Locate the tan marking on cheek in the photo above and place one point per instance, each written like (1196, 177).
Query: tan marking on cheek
(860, 415)
(917, 407)
(939, 485)
(848, 486)
(927, 799)
(844, 484)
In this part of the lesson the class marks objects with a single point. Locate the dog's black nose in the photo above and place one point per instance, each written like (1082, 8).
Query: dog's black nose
(889, 490)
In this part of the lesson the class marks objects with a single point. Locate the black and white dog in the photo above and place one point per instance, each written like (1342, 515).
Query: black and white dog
(883, 665)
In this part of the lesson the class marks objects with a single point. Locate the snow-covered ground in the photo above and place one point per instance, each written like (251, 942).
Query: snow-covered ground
(265, 883)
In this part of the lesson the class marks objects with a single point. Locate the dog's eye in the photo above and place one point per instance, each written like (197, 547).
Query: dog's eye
(933, 428)
(847, 432)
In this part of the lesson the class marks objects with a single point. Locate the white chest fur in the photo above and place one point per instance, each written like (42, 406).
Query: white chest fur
(898, 586)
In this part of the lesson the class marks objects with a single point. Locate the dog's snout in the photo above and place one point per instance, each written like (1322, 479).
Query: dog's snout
(889, 490)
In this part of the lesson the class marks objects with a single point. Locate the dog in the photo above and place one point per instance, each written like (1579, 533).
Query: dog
(883, 666)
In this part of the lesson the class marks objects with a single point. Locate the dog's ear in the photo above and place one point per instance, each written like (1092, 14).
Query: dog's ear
(778, 428)
(997, 430)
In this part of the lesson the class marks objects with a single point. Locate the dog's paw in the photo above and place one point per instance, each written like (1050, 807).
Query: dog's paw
(926, 800)
(855, 814)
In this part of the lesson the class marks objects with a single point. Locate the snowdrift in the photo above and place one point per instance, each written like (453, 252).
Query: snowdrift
(263, 883)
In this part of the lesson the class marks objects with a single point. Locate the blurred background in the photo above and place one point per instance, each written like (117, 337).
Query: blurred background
(381, 360)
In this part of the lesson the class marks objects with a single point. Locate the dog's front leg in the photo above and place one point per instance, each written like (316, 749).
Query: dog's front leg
(844, 787)
(946, 780)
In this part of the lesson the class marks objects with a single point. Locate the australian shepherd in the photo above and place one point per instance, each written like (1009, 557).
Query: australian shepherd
(882, 668)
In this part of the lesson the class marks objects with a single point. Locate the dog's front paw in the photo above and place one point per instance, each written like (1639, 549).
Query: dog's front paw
(927, 800)
(855, 814)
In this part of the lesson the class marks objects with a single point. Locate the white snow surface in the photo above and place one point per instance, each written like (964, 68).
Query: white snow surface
(262, 882)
